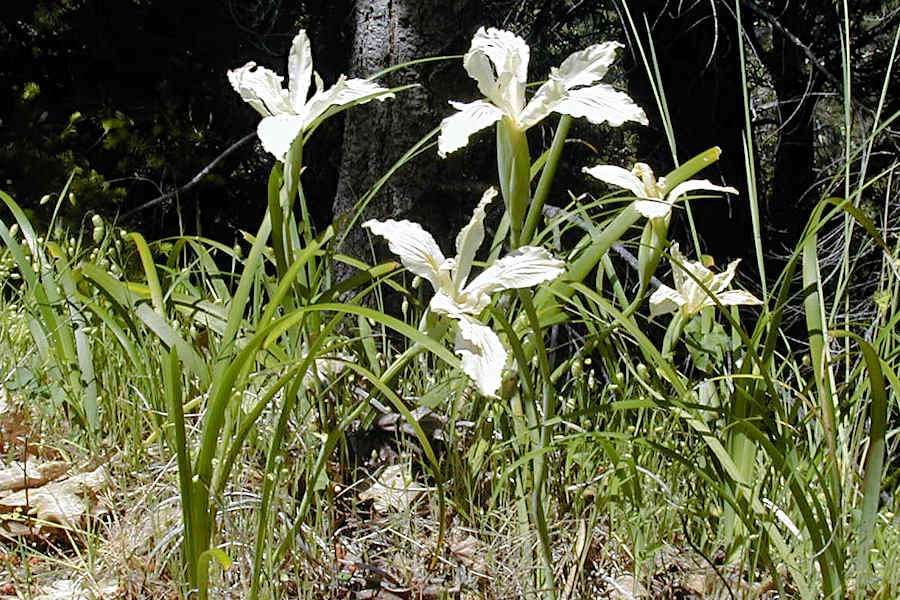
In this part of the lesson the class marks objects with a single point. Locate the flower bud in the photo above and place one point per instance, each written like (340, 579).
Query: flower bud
(577, 367)
(508, 386)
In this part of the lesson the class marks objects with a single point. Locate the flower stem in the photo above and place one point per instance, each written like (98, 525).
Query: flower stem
(514, 171)
(547, 299)
(546, 181)
(548, 410)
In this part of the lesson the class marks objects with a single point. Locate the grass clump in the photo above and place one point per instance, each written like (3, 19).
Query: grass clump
(607, 415)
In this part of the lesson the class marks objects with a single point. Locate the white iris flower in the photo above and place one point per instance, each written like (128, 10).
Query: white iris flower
(288, 112)
(688, 297)
(482, 352)
(498, 61)
(640, 181)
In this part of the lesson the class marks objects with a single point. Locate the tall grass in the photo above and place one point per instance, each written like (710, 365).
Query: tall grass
(711, 431)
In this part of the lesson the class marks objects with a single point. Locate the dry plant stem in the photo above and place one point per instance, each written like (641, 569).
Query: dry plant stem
(196, 178)
(382, 383)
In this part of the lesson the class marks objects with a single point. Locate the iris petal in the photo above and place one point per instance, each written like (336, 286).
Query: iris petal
(526, 267)
(471, 118)
(483, 356)
(277, 133)
(618, 176)
(299, 70)
(601, 103)
(693, 185)
(470, 238)
(287, 112)
(416, 248)
(665, 300)
(586, 66)
(260, 88)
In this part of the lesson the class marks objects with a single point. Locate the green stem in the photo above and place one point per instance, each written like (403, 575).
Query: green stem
(548, 408)
(271, 476)
(816, 324)
(546, 301)
(673, 333)
(546, 181)
(175, 397)
(514, 171)
(537, 494)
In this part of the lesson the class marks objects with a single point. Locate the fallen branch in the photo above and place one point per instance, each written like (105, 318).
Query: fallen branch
(196, 179)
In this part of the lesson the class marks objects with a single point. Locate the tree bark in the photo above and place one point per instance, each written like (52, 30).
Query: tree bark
(796, 86)
(376, 135)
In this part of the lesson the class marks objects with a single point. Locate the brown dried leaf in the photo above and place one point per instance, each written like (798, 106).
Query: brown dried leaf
(65, 503)
(69, 589)
(469, 551)
(13, 424)
(30, 474)
(376, 594)
(393, 490)
(625, 587)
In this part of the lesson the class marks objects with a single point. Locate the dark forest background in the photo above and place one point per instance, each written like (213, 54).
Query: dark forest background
(131, 96)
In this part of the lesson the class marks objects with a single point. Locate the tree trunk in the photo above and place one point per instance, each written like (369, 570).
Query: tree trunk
(796, 86)
(376, 135)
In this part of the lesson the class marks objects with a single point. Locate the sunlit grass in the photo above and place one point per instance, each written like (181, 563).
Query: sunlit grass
(244, 399)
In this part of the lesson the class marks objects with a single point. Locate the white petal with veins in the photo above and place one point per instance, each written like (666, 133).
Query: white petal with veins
(698, 184)
(507, 51)
(689, 296)
(665, 300)
(544, 101)
(483, 356)
(482, 352)
(619, 177)
(471, 118)
(260, 88)
(277, 133)
(299, 70)
(601, 103)
(416, 248)
(526, 267)
(343, 92)
(653, 209)
(586, 66)
(735, 297)
(470, 237)
(290, 109)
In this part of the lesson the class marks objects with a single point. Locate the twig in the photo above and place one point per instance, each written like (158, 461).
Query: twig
(813, 59)
(196, 179)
